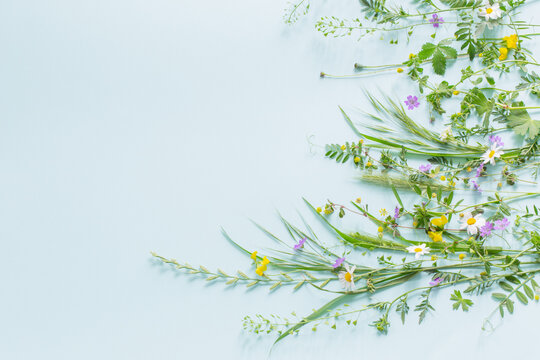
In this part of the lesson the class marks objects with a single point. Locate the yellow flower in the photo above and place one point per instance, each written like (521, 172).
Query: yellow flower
(261, 269)
(361, 141)
(411, 56)
(380, 229)
(461, 256)
(343, 147)
(358, 200)
(499, 184)
(452, 183)
(433, 257)
(383, 212)
(369, 164)
(456, 92)
(443, 178)
(399, 70)
(319, 209)
(265, 261)
(356, 159)
(435, 236)
(254, 255)
(536, 297)
(511, 41)
(481, 54)
(434, 195)
(439, 222)
(504, 53)
(469, 169)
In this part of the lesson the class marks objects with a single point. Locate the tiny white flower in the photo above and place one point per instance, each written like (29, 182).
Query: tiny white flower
(418, 250)
(472, 223)
(491, 154)
(346, 278)
(491, 12)
(446, 133)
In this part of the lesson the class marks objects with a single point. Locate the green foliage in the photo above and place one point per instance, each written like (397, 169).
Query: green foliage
(295, 10)
(424, 306)
(438, 53)
(522, 123)
(459, 301)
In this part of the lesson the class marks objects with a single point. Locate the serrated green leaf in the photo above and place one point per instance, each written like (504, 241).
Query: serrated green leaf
(522, 123)
(439, 62)
(427, 50)
(448, 51)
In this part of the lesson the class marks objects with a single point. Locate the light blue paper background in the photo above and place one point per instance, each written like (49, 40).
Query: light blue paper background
(131, 126)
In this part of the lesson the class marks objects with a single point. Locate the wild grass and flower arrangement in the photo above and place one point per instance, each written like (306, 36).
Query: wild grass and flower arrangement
(459, 219)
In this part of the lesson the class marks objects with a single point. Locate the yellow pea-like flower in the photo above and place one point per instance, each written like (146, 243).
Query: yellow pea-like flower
(504, 53)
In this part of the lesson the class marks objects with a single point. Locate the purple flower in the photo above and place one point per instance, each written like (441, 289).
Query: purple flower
(501, 224)
(476, 186)
(300, 244)
(412, 102)
(486, 229)
(425, 168)
(436, 20)
(496, 140)
(435, 281)
(338, 262)
(479, 170)
(396, 212)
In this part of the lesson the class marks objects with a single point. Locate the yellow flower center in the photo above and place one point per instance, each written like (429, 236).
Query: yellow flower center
(348, 277)
(471, 221)
(418, 249)
(489, 10)
(491, 153)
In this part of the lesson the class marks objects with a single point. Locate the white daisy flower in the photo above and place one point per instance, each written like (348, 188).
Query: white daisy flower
(418, 250)
(346, 278)
(472, 223)
(491, 154)
(446, 133)
(491, 12)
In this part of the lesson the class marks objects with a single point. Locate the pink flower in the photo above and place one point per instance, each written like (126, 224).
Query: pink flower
(412, 102)
(338, 262)
(486, 229)
(436, 20)
(425, 168)
(300, 244)
(435, 281)
(502, 224)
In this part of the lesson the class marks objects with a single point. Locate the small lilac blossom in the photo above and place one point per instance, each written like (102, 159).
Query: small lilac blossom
(436, 20)
(479, 170)
(486, 229)
(300, 244)
(476, 186)
(412, 102)
(496, 140)
(502, 224)
(396, 212)
(338, 262)
(425, 168)
(435, 281)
